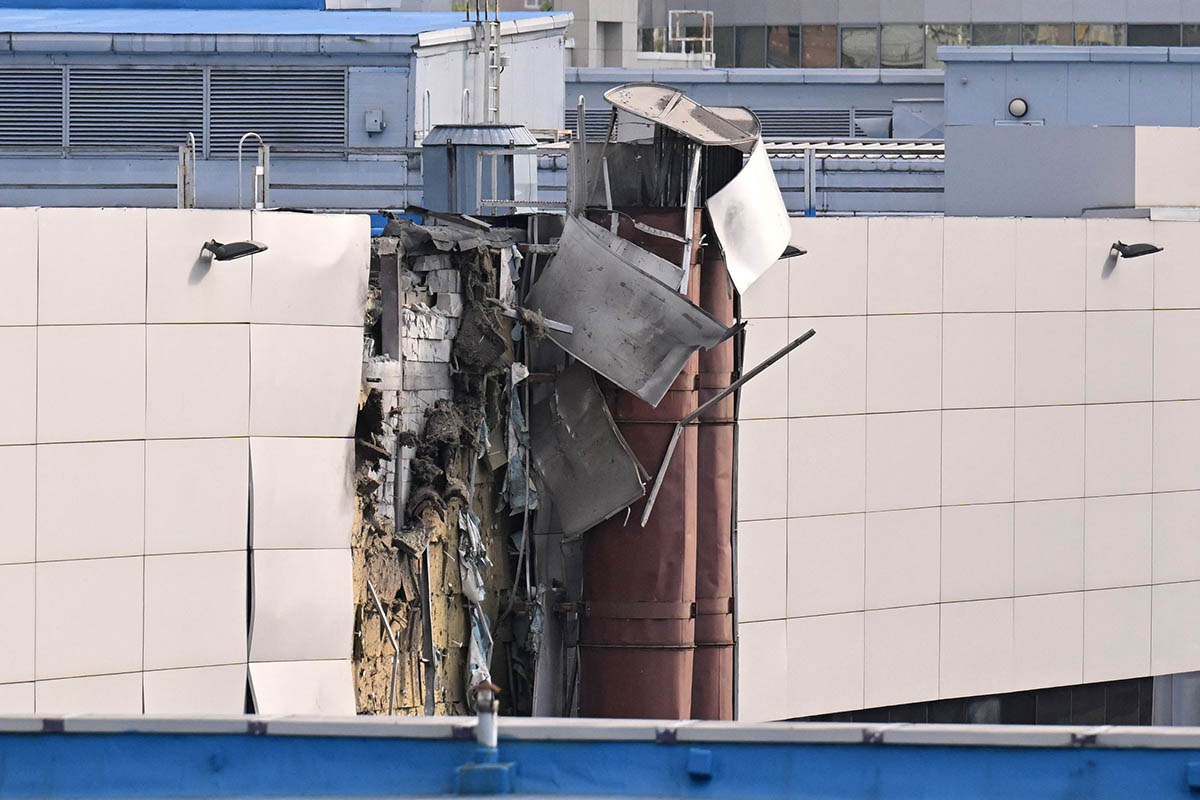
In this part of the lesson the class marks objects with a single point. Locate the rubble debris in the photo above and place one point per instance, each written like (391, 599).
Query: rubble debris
(632, 329)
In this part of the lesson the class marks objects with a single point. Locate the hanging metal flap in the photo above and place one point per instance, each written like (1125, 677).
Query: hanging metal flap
(750, 220)
(631, 328)
(582, 459)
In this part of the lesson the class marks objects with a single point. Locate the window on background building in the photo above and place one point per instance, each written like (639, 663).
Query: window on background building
(860, 47)
(1152, 36)
(751, 46)
(1048, 33)
(783, 46)
(653, 40)
(1191, 35)
(725, 45)
(818, 46)
(937, 35)
(1100, 34)
(901, 46)
(995, 33)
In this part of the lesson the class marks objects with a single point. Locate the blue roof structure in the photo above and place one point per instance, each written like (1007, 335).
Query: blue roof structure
(269, 22)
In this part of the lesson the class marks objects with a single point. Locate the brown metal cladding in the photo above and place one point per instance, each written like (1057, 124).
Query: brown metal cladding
(712, 684)
(639, 584)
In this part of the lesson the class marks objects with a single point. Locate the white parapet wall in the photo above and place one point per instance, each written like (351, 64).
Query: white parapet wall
(981, 475)
(176, 460)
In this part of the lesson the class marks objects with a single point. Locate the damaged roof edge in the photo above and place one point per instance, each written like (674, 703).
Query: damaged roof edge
(670, 107)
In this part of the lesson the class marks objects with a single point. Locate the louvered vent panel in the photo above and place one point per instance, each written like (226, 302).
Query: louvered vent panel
(595, 121)
(301, 107)
(120, 108)
(31, 107)
(804, 122)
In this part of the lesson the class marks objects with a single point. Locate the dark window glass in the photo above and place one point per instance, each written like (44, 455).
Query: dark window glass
(902, 46)
(818, 46)
(1100, 34)
(1153, 36)
(751, 46)
(653, 40)
(1049, 34)
(783, 46)
(724, 43)
(937, 35)
(1191, 35)
(860, 47)
(995, 33)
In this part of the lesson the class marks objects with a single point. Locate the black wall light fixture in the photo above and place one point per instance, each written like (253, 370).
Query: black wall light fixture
(1135, 250)
(233, 250)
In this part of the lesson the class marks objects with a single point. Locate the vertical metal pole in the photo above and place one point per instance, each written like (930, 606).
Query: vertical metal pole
(810, 179)
(181, 178)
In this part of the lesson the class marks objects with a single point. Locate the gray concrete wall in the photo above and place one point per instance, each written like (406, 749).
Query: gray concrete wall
(1074, 85)
(1034, 171)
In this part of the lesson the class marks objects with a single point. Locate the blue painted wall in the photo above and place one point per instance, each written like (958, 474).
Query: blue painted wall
(226, 765)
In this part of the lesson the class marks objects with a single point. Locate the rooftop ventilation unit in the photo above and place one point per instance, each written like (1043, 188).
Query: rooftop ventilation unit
(476, 169)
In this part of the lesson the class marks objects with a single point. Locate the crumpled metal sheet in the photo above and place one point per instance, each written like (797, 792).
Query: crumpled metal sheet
(658, 268)
(631, 328)
(584, 462)
(671, 108)
(750, 220)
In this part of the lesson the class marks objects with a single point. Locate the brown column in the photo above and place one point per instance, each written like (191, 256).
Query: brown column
(639, 584)
(712, 683)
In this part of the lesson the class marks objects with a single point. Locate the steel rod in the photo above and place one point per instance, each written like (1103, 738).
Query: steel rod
(383, 620)
(718, 397)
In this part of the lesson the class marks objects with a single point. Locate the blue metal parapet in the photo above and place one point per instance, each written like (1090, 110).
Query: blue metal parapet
(407, 757)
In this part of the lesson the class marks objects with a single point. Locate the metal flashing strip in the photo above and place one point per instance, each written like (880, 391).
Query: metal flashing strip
(631, 328)
(1102, 737)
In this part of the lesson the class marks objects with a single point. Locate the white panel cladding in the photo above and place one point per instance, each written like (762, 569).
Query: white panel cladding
(303, 493)
(303, 605)
(1020, 424)
(18, 391)
(91, 266)
(19, 278)
(321, 688)
(195, 691)
(18, 504)
(142, 431)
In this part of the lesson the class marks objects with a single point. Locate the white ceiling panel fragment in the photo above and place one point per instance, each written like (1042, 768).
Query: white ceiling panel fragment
(303, 492)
